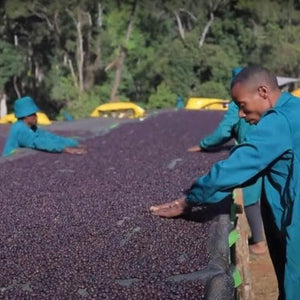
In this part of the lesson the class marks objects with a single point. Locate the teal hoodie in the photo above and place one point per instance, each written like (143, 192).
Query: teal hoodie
(22, 136)
(233, 127)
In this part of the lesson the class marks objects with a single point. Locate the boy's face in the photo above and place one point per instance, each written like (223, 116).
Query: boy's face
(31, 120)
(252, 102)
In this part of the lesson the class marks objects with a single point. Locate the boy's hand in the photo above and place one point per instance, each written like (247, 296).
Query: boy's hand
(77, 150)
(194, 149)
(172, 209)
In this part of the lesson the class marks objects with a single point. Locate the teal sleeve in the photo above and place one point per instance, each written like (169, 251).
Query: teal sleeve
(262, 146)
(224, 132)
(50, 142)
(56, 141)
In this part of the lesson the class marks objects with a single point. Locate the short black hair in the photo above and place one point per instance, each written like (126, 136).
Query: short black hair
(256, 75)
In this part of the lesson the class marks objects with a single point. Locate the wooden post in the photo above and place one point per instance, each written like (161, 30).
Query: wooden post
(244, 291)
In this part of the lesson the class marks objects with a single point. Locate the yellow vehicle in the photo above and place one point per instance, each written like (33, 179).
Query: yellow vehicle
(42, 119)
(296, 92)
(207, 103)
(119, 109)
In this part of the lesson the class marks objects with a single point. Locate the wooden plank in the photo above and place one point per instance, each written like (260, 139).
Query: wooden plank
(244, 291)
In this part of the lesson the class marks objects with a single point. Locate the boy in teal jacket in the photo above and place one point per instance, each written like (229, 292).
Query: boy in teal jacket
(232, 126)
(25, 133)
(271, 151)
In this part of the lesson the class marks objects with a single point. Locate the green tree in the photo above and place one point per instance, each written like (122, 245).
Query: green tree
(77, 54)
(163, 98)
(211, 89)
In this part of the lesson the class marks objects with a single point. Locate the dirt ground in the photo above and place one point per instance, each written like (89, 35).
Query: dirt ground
(262, 275)
(263, 278)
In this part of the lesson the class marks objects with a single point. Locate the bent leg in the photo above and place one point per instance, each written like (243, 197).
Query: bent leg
(254, 219)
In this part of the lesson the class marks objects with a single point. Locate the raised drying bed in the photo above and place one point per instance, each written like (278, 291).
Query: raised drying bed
(79, 226)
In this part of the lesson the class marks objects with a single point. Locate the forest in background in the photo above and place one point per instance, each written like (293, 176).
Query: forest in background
(73, 55)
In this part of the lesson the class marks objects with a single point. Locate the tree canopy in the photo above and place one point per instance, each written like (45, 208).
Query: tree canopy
(76, 54)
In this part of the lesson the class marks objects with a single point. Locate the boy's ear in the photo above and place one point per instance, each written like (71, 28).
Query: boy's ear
(263, 91)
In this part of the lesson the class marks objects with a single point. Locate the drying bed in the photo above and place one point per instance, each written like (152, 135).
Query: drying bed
(80, 227)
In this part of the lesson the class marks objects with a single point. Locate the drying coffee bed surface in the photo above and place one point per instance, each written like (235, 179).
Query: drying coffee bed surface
(79, 226)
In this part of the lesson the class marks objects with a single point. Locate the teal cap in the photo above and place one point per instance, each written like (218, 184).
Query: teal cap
(235, 72)
(24, 107)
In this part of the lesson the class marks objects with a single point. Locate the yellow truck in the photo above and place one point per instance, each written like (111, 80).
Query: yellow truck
(207, 103)
(119, 109)
(296, 92)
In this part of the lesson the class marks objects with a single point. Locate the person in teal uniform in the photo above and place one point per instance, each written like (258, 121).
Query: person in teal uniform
(232, 126)
(25, 133)
(271, 151)
(179, 102)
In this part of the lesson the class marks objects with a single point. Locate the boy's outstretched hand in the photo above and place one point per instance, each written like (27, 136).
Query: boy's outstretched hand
(75, 150)
(172, 209)
(194, 149)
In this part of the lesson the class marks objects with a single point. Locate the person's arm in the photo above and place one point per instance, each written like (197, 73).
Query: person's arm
(223, 133)
(262, 147)
(61, 141)
(57, 143)
(41, 140)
